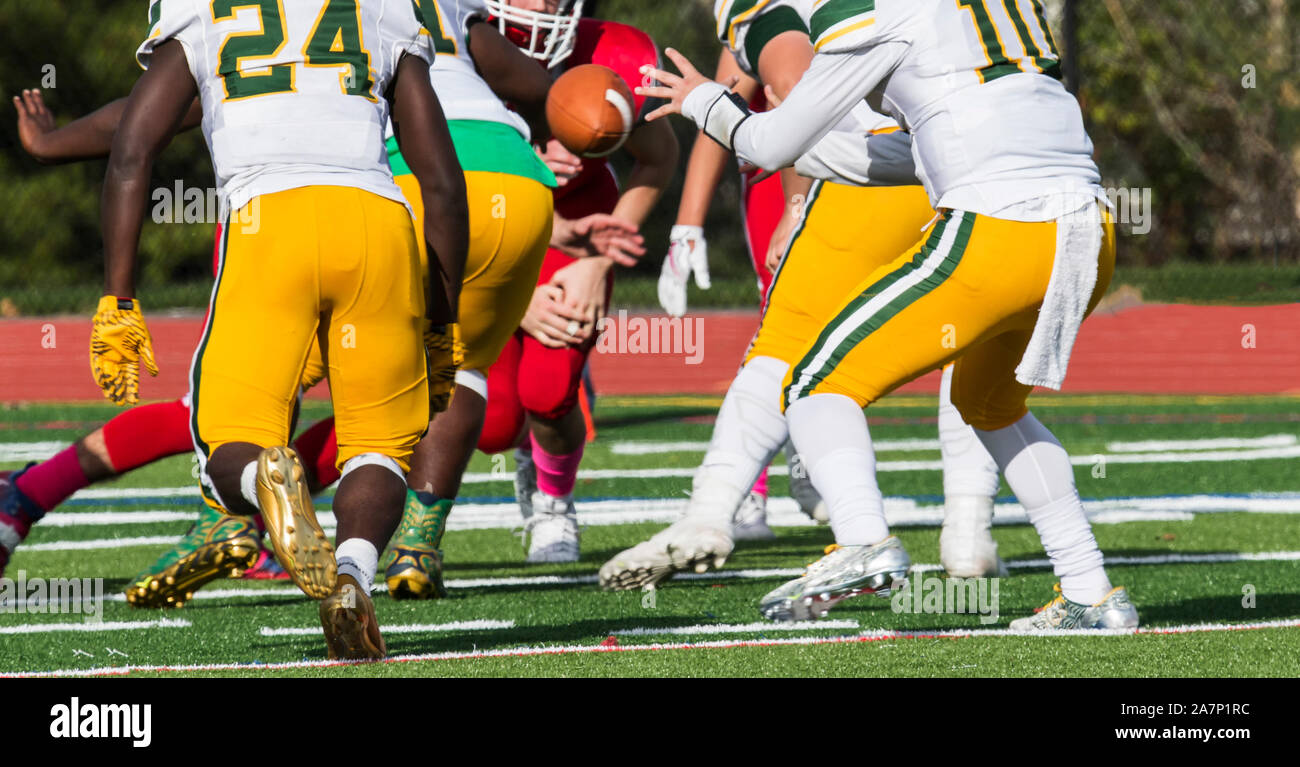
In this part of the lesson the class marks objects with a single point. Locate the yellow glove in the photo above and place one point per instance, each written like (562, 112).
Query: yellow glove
(445, 355)
(118, 342)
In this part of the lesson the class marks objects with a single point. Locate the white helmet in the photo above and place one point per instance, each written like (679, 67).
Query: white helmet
(548, 37)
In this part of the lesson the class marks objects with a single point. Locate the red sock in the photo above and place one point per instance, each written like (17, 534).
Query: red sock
(147, 433)
(556, 474)
(318, 447)
(49, 483)
(760, 484)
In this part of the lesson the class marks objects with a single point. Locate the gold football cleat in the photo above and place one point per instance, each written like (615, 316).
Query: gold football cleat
(351, 628)
(299, 543)
(218, 546)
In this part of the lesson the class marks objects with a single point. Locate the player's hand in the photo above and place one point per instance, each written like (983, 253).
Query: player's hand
(672, 88)
(687, 252)
(564, 164)
(780, 240)
(583, 284)
(550, 321)
(445, 355)
(119, 342)
(599, 234)
(34, 122)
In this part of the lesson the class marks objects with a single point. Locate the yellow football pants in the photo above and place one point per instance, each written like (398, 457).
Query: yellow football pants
(969, 291)
(509, 229)
(327, 264)
(846, 234)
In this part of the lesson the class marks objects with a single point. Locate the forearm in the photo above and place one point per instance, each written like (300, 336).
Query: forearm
(91, 137)
(704, 171)
(86, 138)
(645, 184)
(827, 92)
(447, 237)
(123, 204)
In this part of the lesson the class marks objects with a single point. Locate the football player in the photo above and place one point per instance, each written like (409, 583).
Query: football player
(296, 138)
(533, 387)
(1022, 249)
(761, 203)
(508, 232)
(841, 234)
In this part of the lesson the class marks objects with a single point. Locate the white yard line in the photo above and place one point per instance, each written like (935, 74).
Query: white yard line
(43, 628)
(782, 512)
(478, 478)
(410, 628)
(1224, 443)
(1158, 451)
(535, 651)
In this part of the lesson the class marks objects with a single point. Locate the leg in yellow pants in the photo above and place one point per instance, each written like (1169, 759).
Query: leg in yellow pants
(846, 234)
(509, 229)
(333, 264)
(969, 291)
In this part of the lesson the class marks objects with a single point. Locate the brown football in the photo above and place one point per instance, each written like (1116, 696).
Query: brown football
(590, 110)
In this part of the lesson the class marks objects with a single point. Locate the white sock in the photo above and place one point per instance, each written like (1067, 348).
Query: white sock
(1038, 470)
(748, 434)
(829, 431)
(248, 484)
(968, 469)
(359, 558)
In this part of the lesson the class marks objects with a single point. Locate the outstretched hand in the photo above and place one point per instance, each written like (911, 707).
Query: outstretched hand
(672, 88)
(34, 122)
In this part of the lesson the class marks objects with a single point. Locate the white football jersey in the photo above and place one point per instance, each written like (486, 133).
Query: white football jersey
(464, 94)
(977, 84)
(292, 90)
(735, 19)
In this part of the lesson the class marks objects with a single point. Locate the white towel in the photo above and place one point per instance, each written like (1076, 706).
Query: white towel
(1074, 276)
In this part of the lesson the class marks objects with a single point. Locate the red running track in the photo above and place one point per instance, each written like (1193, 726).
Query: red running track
(1165, 349)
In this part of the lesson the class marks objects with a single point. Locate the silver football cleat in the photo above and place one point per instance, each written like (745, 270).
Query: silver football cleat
(1113, 612)
(845, 571)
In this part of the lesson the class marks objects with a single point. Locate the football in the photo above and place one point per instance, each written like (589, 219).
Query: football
(590, 110)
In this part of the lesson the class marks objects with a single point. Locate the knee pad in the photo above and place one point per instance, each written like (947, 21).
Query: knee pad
(373, 459)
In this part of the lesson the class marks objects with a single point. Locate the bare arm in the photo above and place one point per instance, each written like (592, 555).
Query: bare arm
(86, 138)
(150, 117)
(513, 76)
(426, 144)
(708, 160)
(655, 149)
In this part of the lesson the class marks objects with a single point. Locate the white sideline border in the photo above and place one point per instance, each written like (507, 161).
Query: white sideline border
(535, 651)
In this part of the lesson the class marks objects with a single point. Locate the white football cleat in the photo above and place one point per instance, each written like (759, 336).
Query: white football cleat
(553, 527)
(750, 520)
(688, 545)
(966, 545)
(802, 490)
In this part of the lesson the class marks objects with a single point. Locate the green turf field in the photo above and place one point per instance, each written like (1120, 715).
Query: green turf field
(1194, 501)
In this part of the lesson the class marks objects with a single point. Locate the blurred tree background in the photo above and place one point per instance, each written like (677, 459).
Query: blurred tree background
(1198, 102)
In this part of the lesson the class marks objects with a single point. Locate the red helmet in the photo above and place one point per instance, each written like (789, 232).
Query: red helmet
(548, 37)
